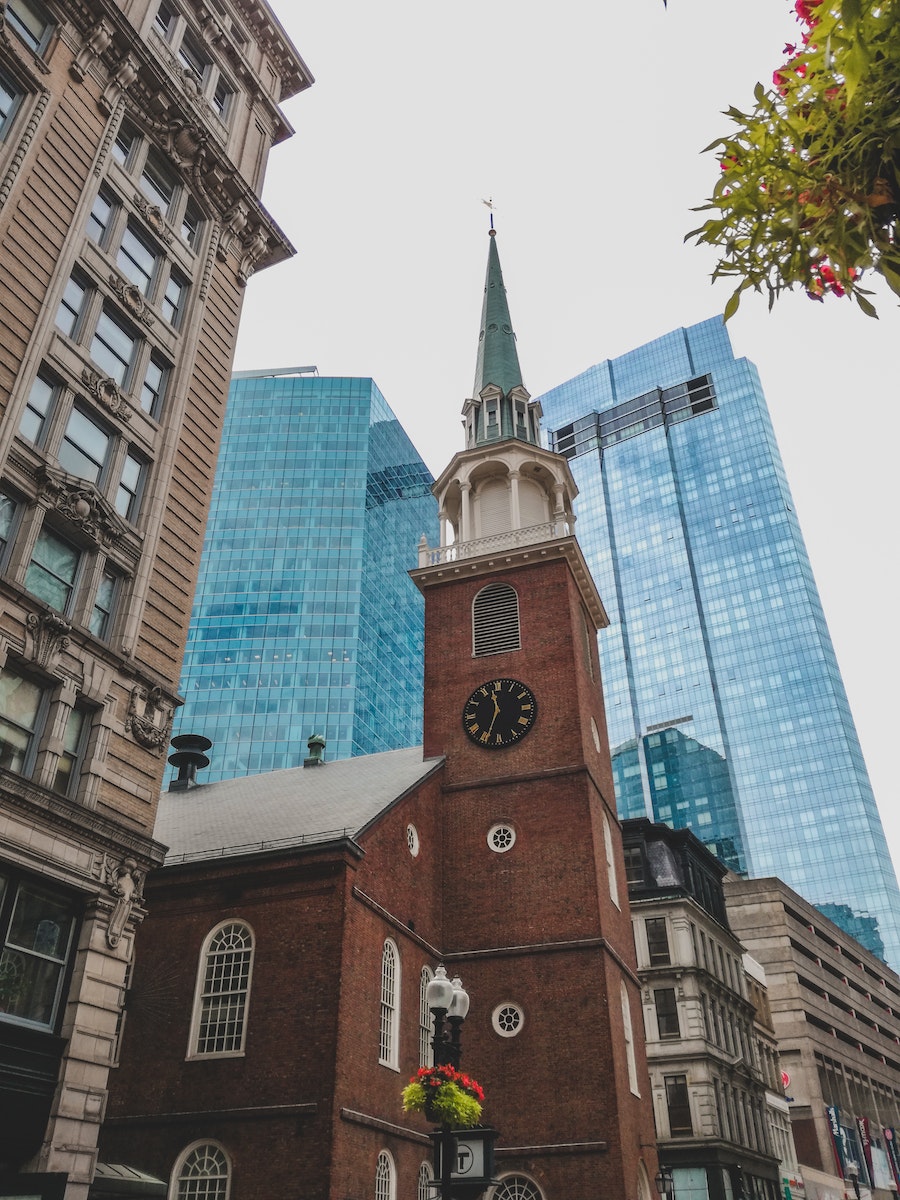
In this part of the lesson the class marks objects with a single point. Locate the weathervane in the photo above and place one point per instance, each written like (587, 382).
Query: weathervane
(490, 204)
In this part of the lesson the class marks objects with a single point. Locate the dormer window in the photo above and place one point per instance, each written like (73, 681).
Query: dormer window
(491, 425)
(521, 421)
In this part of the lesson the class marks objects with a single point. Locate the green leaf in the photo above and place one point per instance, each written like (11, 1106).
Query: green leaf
(733, 301)
(851, 11)
(868, 309)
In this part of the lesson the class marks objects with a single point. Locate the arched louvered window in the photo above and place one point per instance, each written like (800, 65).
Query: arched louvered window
(495, 620)
(385, 1177)
(426, 1027)
(516, 1187)
(223, 991)
(202, 1173)
(390, 1005)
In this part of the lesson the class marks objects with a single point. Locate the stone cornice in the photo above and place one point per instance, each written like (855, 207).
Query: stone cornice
(162, 101)
(65, 819)
(520, 556)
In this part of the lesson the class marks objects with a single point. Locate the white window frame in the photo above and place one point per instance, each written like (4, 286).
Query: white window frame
(426, 1020)
(389, 1014)
(611, 874)
(628, 1031)
(177, 1190)
(202, 993)
(385, 1177)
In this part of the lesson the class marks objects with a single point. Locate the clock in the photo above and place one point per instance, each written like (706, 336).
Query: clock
(499, 713)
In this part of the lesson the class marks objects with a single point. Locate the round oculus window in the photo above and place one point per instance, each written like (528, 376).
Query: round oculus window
(412, 840)
(508, 1019)
(501, 837)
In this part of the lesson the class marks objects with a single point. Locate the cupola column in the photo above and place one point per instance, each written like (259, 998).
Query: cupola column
(442, 517)
(465, 514)
(514, 499)
(559, 507)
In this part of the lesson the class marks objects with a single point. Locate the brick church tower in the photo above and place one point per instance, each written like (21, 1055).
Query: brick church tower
(535, 908)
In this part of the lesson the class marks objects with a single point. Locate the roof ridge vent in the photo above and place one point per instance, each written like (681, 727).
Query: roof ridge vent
(189, 758)
(316, 746)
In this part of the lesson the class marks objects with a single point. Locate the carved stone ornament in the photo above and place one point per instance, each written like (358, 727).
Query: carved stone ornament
(95, 47)
(132, 299)
(126, 883)
(255, 248)
(106, 391)
(47, 637)
(154, 217)
(122, 78)
(186, 141)
(80, 504)
(234, 223)
(149, 719)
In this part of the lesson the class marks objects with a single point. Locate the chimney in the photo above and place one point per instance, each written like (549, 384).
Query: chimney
(189, 758)
(316, 749)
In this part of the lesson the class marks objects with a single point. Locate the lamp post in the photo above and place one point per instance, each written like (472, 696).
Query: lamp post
(448, 1001)
(853, 1175)
(665, 1184)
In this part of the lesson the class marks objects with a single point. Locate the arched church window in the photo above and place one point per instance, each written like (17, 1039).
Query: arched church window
(495, 620)
(223, 990)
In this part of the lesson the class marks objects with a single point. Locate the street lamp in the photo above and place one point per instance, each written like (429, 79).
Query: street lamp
(665, 1184)
(853, 1175)
(448, 1000)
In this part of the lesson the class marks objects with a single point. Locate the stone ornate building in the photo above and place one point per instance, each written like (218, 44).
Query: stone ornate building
(133, 140)
(836, 1013)
(713, 1066)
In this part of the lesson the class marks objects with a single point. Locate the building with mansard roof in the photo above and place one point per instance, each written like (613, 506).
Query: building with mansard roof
(133, 141)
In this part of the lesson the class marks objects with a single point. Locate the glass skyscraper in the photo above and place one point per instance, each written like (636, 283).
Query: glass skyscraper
(725, 706)
(305, 620)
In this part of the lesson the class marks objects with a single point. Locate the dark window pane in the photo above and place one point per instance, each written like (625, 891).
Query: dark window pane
(34, 955)
(113, 348)
(70, 307)
(84, 447)
(37, 409)
(103, 605)
(657, 942)
(154, 387)
(51, 572)
(667, 1013)
(137, 260)
(679, 1106)
(20, 701)
(29, 21)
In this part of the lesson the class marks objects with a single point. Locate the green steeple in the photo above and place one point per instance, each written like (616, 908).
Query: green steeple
(498, 360)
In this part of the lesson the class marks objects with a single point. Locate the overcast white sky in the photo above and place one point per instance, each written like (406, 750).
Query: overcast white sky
(584, 121)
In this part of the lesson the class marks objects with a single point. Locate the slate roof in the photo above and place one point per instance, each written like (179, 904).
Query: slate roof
(285, 808)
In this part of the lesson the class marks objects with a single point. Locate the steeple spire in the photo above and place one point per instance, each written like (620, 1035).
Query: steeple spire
(498, 359)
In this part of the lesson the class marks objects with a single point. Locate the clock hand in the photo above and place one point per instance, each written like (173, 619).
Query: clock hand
(496, 711)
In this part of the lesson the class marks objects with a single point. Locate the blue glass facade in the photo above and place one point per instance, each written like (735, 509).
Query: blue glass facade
(305, 620)
(725, 706)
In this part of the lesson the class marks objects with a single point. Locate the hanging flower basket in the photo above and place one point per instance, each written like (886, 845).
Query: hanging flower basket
(444, 1094)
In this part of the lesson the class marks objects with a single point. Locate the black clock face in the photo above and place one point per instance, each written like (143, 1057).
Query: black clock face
(499, 713)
